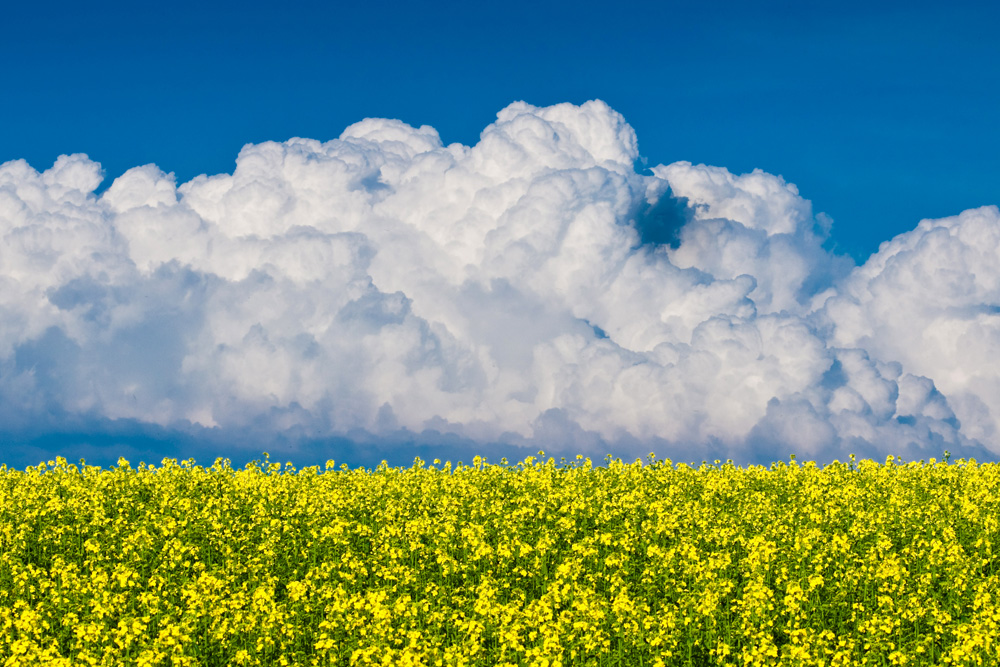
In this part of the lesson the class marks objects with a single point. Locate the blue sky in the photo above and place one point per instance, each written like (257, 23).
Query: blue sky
(880, 115)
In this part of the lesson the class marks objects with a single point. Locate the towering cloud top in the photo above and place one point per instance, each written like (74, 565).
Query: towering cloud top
(532, 289)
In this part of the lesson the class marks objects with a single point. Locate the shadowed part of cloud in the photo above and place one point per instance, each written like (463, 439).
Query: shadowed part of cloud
(659, 223)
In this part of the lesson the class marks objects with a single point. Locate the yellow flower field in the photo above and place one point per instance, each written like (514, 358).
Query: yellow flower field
(538, 563)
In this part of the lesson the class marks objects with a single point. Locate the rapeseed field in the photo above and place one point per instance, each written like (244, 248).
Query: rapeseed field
(535, 563)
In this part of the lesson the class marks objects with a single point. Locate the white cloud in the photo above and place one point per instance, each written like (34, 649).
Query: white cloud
(513, 291)
(930, 300)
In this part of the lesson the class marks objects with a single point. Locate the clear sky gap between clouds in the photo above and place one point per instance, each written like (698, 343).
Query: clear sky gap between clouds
(533, 290)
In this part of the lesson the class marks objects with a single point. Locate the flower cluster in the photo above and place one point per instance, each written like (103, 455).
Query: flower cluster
(537, 563)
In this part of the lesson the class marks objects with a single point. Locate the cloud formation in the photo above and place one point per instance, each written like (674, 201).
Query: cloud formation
(534, 289)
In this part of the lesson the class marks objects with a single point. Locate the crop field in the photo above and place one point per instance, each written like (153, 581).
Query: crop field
(536, 563)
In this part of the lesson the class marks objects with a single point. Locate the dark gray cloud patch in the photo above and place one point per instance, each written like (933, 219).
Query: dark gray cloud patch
(660, 222)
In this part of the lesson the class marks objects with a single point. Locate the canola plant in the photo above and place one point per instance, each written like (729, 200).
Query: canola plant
(539, 563)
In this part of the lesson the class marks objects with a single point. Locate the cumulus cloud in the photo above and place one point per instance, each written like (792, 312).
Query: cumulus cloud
(930, 299)
(535, 288)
